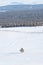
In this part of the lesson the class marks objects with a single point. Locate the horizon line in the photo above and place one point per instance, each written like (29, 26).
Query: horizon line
(21, 3)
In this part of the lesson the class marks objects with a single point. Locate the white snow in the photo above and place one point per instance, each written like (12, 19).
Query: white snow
(29, 38)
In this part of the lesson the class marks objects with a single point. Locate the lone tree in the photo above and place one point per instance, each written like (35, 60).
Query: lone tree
(21, 50)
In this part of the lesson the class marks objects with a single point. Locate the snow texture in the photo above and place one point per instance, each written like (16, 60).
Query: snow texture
(28, 38)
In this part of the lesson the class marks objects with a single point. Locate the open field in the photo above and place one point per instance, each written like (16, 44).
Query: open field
(29, 38)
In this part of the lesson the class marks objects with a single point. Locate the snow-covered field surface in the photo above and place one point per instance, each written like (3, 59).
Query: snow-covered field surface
(29, 38)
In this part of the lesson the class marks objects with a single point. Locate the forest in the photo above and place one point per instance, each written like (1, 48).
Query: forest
(23, 17)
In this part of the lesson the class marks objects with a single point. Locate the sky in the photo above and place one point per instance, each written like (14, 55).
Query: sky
(5, 2)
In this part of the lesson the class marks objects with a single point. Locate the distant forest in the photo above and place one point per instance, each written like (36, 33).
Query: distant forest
(23, 17)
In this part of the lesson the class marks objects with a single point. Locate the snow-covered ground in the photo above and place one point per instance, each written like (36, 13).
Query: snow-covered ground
(29, 38)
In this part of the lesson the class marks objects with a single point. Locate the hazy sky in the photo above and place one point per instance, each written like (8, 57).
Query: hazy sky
(4, 2)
